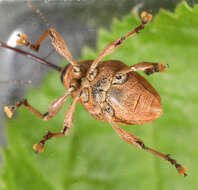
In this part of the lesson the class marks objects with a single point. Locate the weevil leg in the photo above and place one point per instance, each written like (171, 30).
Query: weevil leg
(23, 40)
(68, 120)
(57, 41)
(112, 46)
(132, 139)
(148, 68)
(56, 106)
(53, 108)
(39, 147)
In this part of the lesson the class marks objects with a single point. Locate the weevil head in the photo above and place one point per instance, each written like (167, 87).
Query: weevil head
(66, 75)
(69, 75)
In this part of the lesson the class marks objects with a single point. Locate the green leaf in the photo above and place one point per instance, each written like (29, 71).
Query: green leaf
(93, 156)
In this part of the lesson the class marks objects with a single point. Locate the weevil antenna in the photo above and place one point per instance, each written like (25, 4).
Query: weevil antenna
(32, 56)
(38, 11)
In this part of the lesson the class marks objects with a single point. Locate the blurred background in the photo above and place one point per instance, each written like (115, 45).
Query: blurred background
(77, 21)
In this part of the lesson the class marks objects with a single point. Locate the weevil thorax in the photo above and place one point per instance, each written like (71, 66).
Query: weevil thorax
(72, 77)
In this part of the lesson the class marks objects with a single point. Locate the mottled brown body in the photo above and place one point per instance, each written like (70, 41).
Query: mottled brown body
(134, 101)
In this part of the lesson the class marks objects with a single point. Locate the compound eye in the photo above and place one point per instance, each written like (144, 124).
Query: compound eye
(63, 72)
(119, 78)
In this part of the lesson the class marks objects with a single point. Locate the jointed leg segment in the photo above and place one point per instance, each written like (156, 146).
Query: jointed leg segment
(112, 46)
(39, 147)
(132, 139)
(57, 41)
(148, 68)
(23, 40)
(53, 108)
(9, 110)
(68, 120)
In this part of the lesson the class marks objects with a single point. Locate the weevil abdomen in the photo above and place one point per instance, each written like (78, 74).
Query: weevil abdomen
(135, 101)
